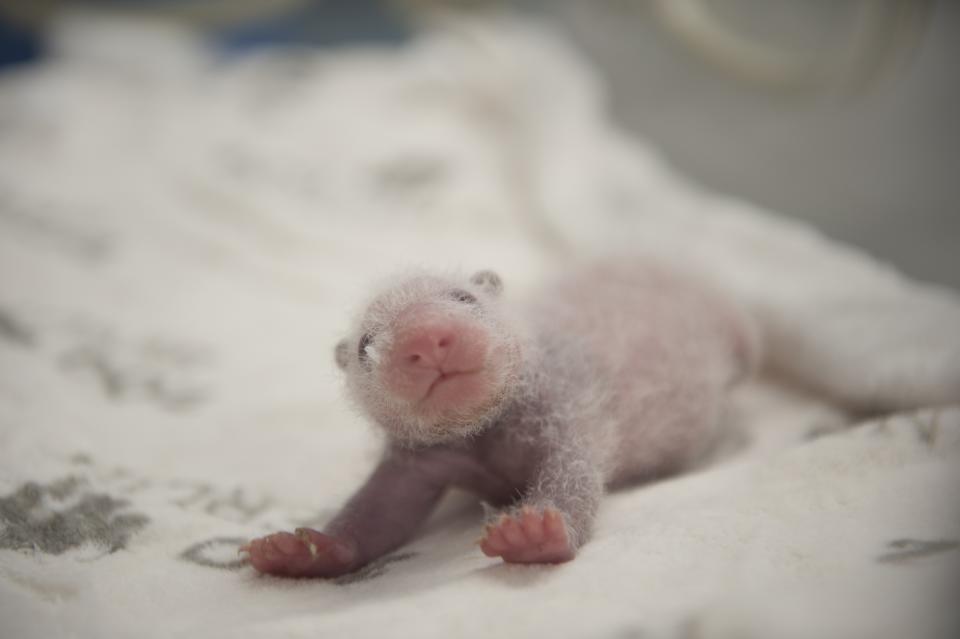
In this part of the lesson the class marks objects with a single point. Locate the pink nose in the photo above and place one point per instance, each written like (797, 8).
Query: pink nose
(426, 348)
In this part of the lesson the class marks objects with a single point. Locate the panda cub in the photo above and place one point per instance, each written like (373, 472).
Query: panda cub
(611, 374)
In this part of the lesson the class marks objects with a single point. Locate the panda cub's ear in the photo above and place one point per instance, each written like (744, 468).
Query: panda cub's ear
(342, 354)
(489, 281)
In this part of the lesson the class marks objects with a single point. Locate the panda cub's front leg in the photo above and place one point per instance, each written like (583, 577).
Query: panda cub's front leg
(556, 515)
(383, 515)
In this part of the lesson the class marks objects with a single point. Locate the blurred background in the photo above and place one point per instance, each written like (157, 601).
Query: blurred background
(843, 114)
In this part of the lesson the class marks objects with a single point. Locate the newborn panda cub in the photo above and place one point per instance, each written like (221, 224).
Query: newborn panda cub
(613, 374)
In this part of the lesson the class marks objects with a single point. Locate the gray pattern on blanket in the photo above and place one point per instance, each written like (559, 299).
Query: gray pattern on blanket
(219, 552)
(906, 550)
(374, 569)
(13, 330)
(158, 370)
(162, 370)
(62, 515)
(40, 222)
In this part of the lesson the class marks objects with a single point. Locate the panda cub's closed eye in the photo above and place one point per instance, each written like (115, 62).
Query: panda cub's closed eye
(365, 341)
(460, 295)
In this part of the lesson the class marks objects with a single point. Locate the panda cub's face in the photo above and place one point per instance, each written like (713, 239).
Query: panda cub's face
(432, 358)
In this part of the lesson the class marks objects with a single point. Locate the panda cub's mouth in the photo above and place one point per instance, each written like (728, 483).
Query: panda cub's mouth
(451, 389)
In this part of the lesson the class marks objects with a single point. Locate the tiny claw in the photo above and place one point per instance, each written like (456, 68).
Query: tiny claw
(245, 548)
(304, 536)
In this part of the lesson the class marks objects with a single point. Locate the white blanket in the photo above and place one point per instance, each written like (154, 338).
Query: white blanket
(182, 239)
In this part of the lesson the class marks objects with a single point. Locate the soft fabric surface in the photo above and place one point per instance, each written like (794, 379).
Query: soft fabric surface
(182, 239)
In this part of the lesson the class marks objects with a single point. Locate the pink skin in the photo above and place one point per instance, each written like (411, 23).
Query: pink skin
(437, 362)
(622, 382)
(303, 553)
(529, 537)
